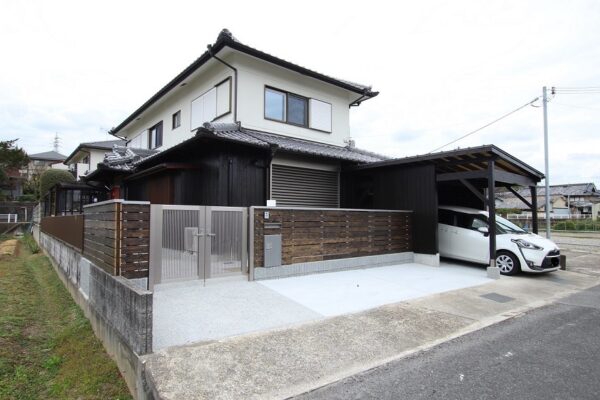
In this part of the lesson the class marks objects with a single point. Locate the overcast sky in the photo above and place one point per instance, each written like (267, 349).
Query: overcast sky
(79, 68)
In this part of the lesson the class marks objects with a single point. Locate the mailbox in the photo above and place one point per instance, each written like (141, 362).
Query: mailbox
(272, 250)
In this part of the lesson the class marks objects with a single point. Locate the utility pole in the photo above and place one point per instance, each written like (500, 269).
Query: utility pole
(547, 172)
(56, 142)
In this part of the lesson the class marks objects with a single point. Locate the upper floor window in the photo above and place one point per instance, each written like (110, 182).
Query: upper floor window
(274, 105)
(297, 110)
(176, 120)
(213, 104)
(286, 107)
(155, 136)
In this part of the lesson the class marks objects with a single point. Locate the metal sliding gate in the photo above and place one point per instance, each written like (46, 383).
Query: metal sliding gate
(197, 242)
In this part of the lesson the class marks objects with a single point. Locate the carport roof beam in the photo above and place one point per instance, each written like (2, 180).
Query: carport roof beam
(472, 159)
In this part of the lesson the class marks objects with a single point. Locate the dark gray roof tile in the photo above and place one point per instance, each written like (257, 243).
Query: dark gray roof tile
(237, 133)
(48, 156)
(106, 144)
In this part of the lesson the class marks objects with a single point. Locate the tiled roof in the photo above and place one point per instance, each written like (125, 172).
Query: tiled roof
(237, 133)
(106, 144)
(102, 145)
(48, 156)
(127, 159)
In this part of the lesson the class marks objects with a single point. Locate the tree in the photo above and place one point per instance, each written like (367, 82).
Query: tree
(53, 176)
(32, 186)
(11, 157)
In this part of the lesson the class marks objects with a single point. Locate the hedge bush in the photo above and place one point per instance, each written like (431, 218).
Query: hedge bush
(53, 176)
(577, 225)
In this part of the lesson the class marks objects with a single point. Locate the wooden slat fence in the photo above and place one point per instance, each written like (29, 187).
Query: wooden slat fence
(117, 236)
(319, 235)
(68, 228)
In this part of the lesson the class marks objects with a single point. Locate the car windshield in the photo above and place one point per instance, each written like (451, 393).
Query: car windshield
(505, 226)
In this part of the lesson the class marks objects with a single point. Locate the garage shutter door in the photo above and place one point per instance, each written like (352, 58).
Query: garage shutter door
(304, 187)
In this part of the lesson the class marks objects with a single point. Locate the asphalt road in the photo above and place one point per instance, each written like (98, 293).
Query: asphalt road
(549, 353)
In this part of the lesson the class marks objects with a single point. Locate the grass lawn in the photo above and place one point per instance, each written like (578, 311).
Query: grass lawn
(47, 347)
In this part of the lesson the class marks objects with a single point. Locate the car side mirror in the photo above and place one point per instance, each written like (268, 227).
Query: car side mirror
(484, 230)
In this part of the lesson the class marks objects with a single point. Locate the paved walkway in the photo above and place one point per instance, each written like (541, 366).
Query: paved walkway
(191, 312)
(286, 362)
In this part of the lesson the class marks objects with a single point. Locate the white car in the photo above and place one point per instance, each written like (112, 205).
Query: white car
(464, 235)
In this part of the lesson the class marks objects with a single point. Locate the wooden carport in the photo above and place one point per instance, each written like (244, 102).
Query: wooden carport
(476, 171)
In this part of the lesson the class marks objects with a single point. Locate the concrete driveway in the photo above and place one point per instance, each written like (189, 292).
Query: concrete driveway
(191, 312)
(282, 363)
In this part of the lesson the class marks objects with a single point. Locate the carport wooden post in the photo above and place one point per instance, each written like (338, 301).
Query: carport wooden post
(534, 206)
(491, 200)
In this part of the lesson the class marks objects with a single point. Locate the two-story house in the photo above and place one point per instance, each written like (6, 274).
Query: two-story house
(86, 157)
(40, 162)
(238, 127)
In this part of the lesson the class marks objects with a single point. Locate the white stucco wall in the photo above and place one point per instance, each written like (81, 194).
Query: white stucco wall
(180, 99)
(255, 74)
(96, 157)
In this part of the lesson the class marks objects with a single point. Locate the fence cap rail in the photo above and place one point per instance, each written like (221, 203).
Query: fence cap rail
(328, 209)
(113, 201)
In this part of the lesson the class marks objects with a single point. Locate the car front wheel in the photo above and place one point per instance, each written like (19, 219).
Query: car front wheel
(508, 263)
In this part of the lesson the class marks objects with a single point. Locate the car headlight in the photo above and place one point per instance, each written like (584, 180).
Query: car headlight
(524, 244)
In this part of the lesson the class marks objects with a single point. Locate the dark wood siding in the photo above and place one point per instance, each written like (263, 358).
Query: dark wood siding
(217, 174)
(160, 188)
(397, 188)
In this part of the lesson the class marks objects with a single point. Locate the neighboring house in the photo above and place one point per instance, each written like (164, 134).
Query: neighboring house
(85, 158)
(570, 199)
(238, 127)
(40, 162)
(12, 189)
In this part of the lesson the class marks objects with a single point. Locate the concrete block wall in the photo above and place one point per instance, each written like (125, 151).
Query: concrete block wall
(119, 311)
(126, 307)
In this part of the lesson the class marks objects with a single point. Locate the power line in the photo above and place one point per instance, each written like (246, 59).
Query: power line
(577, 87)
(576, 106)
(486, 125)
(577, 90)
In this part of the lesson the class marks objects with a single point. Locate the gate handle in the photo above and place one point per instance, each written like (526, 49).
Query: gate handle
(211, 234)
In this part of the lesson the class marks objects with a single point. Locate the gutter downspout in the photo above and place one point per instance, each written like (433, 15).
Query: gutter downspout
(235, 77)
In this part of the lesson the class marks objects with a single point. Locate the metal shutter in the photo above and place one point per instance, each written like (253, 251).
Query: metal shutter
(304, 187)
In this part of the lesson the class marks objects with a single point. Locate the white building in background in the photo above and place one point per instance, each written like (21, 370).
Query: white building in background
(86, 157)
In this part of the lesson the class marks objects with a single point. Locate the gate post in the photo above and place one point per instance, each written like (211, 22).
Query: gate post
(155, 262)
